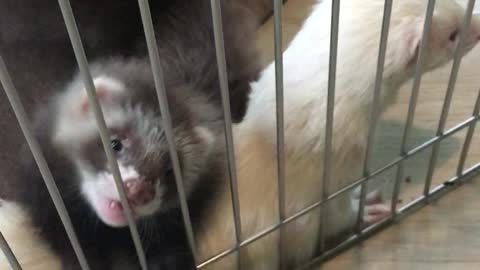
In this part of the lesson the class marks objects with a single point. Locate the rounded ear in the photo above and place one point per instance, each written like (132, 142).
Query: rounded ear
(405, 40)
(414, 40)
(107, 89)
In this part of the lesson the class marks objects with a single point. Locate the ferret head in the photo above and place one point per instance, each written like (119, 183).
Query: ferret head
(405, 34)
(138, 141)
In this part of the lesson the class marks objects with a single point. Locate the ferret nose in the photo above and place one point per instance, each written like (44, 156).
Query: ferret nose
(138, 192)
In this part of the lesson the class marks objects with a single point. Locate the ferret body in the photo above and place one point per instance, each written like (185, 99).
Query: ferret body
(36, 49)
(306, 65)
(125, 87)
(68, 134)
(35, 46)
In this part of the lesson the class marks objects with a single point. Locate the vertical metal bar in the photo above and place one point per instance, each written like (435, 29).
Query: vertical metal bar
(32, 142)
(12, 260)
(413, 103)
(449, 95)
(468, 139)
(277, 24)
(104, 134)
(327, 165)
(223, 80)
(166, 118)
(374, 113)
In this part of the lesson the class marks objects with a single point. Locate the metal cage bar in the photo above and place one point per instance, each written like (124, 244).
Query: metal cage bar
(166, 118)
(332, 73)
(350, 187)
(327, 170)
(81, 58)
(35, 148)
(449, 95)
(375, 110)
(7, 251)
(223, 80)
(402, 212)
(277, 24)
(468, 138)
(412, 103)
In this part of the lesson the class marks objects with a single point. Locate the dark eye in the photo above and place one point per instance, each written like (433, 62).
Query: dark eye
(453, 36)
(116, 145)
(168, 169)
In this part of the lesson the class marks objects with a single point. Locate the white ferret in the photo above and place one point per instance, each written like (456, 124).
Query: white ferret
(306, 69)
(306, 65)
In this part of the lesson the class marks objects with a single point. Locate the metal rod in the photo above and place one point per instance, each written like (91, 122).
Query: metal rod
(468, 139)
(277, 24)
(12, 260)
(467, 173)
(403, 212)
(166, 118)
(81, 58)
(327, 165)
(223, 80)
(374, 114)
(35, 148)
(449, 95)
(413, 102)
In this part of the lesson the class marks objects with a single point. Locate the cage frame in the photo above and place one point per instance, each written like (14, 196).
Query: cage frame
(430, 193)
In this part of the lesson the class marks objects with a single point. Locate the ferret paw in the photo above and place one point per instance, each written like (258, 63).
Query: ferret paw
(375, 213)
(375, 208)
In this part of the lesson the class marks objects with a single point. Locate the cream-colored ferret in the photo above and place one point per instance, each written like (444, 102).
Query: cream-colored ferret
(306, 71)
(306, 65)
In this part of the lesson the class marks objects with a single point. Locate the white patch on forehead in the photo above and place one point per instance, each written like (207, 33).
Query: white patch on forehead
(73, 125)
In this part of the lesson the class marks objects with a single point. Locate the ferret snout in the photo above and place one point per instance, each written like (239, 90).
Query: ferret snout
(139, 192)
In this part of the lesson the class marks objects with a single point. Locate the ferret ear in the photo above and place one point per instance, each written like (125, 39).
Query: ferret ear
(414, 40)
(107, 90)
(206, 135)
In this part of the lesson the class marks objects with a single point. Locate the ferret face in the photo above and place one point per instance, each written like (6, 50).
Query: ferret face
(408, 18)
(447, 24)
(361, 27)
(139, 144)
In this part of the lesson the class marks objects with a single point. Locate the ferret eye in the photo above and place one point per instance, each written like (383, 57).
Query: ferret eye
(116, 145)
(453, 36)
(168, 170)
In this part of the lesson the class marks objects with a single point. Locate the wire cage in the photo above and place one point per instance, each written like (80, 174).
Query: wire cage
(397, 164)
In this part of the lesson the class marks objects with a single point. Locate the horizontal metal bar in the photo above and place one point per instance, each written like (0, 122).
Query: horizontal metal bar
(157, 71)
(7, 251)
(403, 212)
(347, 188)
(39, 157)
(81, 58)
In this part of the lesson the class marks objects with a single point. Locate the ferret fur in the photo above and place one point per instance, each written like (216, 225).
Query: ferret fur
(306, 65)
(185, 40)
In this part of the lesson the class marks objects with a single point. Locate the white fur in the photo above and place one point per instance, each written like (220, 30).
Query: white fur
(101, 186)
(306, 65)
(305, 86)
(74, 125)
(25, 242)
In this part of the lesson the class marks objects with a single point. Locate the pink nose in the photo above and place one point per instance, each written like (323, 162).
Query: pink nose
(139, 192)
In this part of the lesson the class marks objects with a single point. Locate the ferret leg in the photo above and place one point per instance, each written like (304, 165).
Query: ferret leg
(376, 209)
